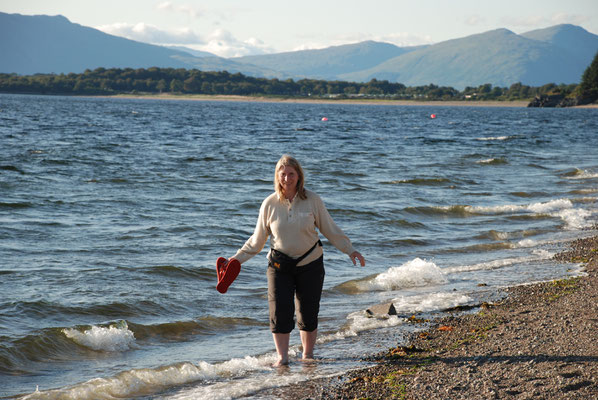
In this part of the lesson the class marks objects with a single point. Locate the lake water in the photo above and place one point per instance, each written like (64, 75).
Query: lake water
(113, 212)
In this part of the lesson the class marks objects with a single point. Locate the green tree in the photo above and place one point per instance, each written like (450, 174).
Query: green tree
(161, 85)
(176, 86)
(588, 88)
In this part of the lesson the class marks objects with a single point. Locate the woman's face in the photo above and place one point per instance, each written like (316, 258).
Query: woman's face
(288, 177)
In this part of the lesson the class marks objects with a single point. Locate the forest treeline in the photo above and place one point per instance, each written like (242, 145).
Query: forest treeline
(102, 81)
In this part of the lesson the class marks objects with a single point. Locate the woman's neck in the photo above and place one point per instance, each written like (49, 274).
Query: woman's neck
(290, 195)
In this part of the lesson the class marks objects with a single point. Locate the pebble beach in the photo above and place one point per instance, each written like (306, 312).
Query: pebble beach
(539, 341)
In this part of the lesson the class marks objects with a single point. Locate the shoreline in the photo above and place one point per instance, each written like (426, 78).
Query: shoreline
(537, 342)
(296, 100)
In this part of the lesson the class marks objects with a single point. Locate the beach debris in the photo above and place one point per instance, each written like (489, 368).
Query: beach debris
(445, 328)
(414, 320)
(402, 351)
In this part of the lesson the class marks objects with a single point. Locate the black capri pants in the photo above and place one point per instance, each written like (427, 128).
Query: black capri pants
(300, 290)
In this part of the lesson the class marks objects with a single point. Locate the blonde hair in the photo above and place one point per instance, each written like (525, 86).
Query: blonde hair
(289, 161)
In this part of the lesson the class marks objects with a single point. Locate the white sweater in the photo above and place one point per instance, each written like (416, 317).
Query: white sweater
(292, 228)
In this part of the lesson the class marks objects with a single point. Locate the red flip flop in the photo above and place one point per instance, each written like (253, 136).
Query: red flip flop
(227, 271)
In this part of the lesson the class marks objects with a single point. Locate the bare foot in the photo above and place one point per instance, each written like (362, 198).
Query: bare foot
(308, 357)
(281, 362)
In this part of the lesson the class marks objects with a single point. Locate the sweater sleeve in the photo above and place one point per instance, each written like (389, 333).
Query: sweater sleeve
(330, 230)
(257, 241)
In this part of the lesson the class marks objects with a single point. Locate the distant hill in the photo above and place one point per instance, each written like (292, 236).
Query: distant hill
(499, 57)
(53, 44)
(193, 52)
(40, 43)
(328, 63)
(558, 54)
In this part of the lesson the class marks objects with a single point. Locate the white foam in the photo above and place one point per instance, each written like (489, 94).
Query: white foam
(553, 205)
(430, 302)
(495, 138)
(113, 338)
(584, 174)
(414, 273)
(494, 264)
(360, 321)
(543, 254)
(575, 218)
(237, 389)
(539, 255)
(539, 208)
(527, 243)
(138, 382)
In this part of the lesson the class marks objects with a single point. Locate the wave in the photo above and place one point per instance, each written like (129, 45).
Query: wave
(148, 381)
(15, 205)
(420, 273)
(580, 174)
(49, 344)
(493, 161)
(430, 302)
(11, 168)
(44, 308)
(403, 223)
(113, 338)
(584, 191)
(499, 235)
(496, 138)
(420, 181)
(451, 211)
(361, 321)
(574, 218)
(178, 272)
(414, 273)
(528, 194)
(182, 330)
(540, 255)
(77, 342)
(63, 344)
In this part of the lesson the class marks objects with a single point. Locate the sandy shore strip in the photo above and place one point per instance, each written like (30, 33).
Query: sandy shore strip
(540, 341)
(305, 100)
(299, 100)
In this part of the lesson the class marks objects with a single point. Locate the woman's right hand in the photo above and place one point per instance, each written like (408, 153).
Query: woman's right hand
(357, 256)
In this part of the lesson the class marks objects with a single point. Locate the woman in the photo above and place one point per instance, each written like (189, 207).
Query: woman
(290, 216)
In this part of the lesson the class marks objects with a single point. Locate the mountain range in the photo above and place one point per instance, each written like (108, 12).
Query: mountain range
(557, 54)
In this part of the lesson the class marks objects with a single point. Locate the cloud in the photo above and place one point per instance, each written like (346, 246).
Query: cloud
(151, 34)
(536, 21)
(186, 9)
(475, 20)
(401, 39)
(404, 39)
(562, 18)
(222, 43)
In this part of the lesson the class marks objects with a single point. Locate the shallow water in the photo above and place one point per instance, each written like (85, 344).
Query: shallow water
(113, 212)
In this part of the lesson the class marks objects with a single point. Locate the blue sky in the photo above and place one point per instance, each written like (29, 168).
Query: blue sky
(241, 27)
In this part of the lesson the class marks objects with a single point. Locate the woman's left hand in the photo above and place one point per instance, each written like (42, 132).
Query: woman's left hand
(357, 256)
